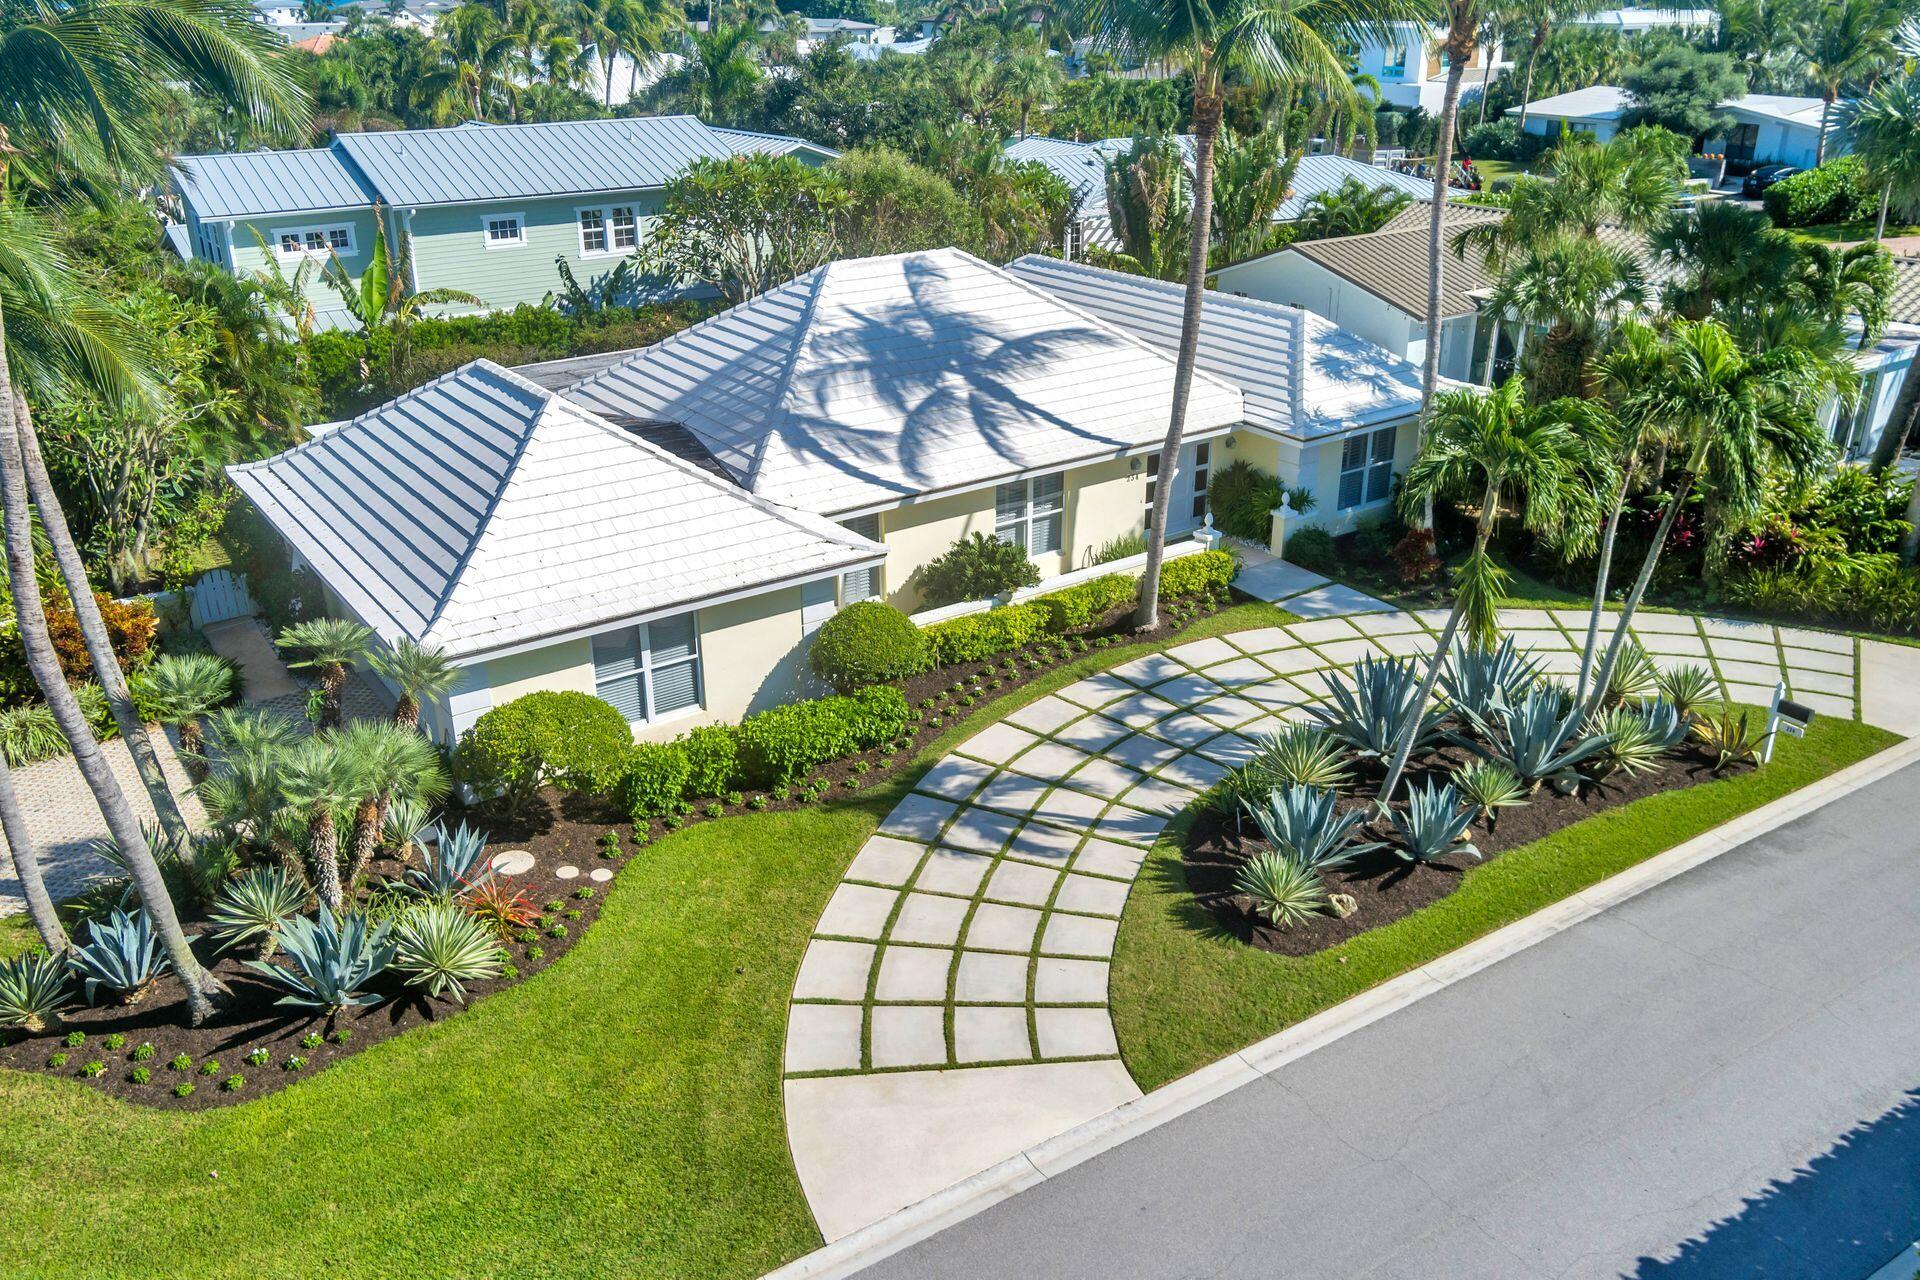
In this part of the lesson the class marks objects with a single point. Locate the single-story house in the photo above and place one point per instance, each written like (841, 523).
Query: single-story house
(1765, 128)
(667, 527)
(487, 208)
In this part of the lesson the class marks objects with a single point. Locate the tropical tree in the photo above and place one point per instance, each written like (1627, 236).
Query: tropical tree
(1351, 209)
(1253, 175)
(481, 52)
(1883, 128)
(389, 762)
(1545, 14)
(381, 300)
(1849, 40)
(745, 224)
(1149, 202)
(1258, 43)
(1681, 88)
(319, 780)
(1736, 420)
(1570, 289)
(420, 671)
(1029, 78)
(330, 647)
(182, 688)
(1840, 284)
(1720, 255)
(290, 294)
(718, 77)
(1493, 447)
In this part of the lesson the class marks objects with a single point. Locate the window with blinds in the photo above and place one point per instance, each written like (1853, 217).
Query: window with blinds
(1032, 513)
(861, 584)
(650, 670)
(1366, 468)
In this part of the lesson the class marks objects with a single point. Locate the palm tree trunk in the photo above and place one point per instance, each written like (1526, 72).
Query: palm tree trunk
(193, 749)
(1533, 55)
(93, 628)
(203, 990)
(1604, 676)
(1826, 109)
(1403, 749)
(26, 865)
(366, 838)
(1206, 128)
(323, 846)
(406, 712)
(1442, 161)
(1600, 580)
(1880, 223)
(333, 681)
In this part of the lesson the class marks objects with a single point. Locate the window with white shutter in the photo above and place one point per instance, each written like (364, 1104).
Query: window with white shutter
(1032, 513)
(651, 670)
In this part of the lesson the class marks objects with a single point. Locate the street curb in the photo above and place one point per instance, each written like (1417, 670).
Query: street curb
(853, 1253)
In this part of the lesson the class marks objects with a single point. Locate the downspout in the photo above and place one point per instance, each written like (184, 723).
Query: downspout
(413, 259)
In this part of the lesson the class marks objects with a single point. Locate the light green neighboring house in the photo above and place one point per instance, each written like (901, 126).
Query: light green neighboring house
(489, 210)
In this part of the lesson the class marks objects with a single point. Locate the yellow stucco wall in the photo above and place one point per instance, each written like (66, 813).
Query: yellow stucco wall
(559, 667)
(921, 531)
(1104, 501)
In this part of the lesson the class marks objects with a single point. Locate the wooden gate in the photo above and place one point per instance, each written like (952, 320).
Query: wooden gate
(219, 595)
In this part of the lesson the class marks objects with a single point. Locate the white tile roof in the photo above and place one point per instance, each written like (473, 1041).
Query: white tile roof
(480, 511)
(875, 379)
(1303, 376)
(1318, 174)
(1595, 102)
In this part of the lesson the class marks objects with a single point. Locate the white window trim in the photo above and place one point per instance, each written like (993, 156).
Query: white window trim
(1365, 469)
(352, 249)
(606, 212)
(487, 239)
(651, 714)
(1024, 522)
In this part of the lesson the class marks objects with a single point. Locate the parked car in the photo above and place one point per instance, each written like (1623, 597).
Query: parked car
(1765, 176)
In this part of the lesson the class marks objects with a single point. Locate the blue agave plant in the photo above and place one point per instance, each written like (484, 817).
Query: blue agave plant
(1433, 825)
(1370, 713)
(1480, 683)
(120, 953)
(457, 863)
(1300, 822)
(1539, 739)
(332, 960)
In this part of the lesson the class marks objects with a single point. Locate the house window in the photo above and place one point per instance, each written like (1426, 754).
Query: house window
(1031, 513)
(649, 671)
(608, 230)
(504, 230)
(1202, 460)
(626, 227)
(1366, 468)
(1153, 483)
(593, 231)
(861, 584)
(313, 242)
(1395, 63)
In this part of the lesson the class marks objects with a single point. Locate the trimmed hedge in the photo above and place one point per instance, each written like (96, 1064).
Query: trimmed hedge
(1191, 575)
(1838, 191)
(983, 635)
(1312, 548)
(785, 743)
(868, 642)
(573, 740)
(1085, 604)
(713, 759)
(655, 780)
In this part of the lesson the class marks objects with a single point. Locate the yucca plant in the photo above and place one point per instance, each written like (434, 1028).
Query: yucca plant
(1489, 787)
(1729, 738)
(1284, 891)
(1235, 791)
(1300, 822)
(1688, 687)
(1303, 755)
(252, 909)
(1634, 676)
(33, 987)
(457, 864)
(1537, 740)
(1433, 825)
(1480, 683)
(1371, 712)
(1632, 744)
(333, 960)
(121, 954)
(442, 948)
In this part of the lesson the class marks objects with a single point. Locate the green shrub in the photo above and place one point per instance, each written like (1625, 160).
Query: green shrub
(1243, 498)
(1838, 191)
(1312, 549)
(868, 642)
(1876, 592)
(712, 760)
(977, 567)
(28, 733)
(1127, 544)
(982, 635)
(1191, 575)
(571, 739)
(783, 744)
(1077, 607)
(656, 779)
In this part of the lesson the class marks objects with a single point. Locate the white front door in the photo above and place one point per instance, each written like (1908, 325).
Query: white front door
(1189, 498)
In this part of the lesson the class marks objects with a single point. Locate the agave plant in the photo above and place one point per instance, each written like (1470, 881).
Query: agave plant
(1371, 713)
(1433, 825)
(1489, 787)
(1634, 676)
(404, 831)
(440, 947)
(121, 953)
(1536, 740)
(1301, 823)
(1303, 755)
(455, 865)
(32, 989)
(1283, 890)
(1729, 738)
(1480, 683)
(1688, 687)
(1632, 744)
(252, 908)
(333, 960)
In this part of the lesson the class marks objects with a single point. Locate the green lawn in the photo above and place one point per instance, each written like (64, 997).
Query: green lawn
(1849, 232)
(1184, 993)
(617, 1115)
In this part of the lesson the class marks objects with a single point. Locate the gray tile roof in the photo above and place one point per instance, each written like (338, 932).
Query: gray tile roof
(1083, 167)
(258, 183)
(480, 511)
(1318, 174)
(1303, 376)
(1904, 303)
(875, 379)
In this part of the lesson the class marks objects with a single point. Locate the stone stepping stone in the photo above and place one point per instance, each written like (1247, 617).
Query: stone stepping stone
(600, 875)
(568, 872)
(512, 862)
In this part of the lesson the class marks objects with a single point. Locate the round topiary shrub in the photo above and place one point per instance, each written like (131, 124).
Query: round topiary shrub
(574, 740)
(1311, 549)
(867, 643)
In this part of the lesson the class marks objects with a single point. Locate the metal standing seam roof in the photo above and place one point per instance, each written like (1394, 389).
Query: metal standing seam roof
(871, 380)
(1303, 376)
(1317, 174)
(1083, 167)
(746, 142)
(480, 511)
(246, 184)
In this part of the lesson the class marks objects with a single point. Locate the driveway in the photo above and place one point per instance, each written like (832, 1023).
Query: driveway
(1719, 1078)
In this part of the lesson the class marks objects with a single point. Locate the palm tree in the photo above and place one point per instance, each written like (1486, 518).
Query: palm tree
(482, 52)
(1351, 209)
(1884, 129)
(289, 293)
(381, 298)
(319, 779)
(420, 671)
(1737, 420)
(26, 864)
(719, 73)
(1253, 175)
(1721, 254)
(1030, 78)
(329, 646)
(1545, 14)
(643, 30)
(184, 687)
(244, 792)
(1552, 457)
(1848, 40)
(1836, 284)
(389, 763)
(1569, 288)
(1258, 43)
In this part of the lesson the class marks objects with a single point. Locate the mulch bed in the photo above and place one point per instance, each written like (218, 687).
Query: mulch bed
(563, 830)
(1384, 886)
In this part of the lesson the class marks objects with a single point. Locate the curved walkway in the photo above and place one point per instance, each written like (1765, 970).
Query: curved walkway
(952, 1008)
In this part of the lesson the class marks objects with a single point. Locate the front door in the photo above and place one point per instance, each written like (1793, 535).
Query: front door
(1189, 499)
